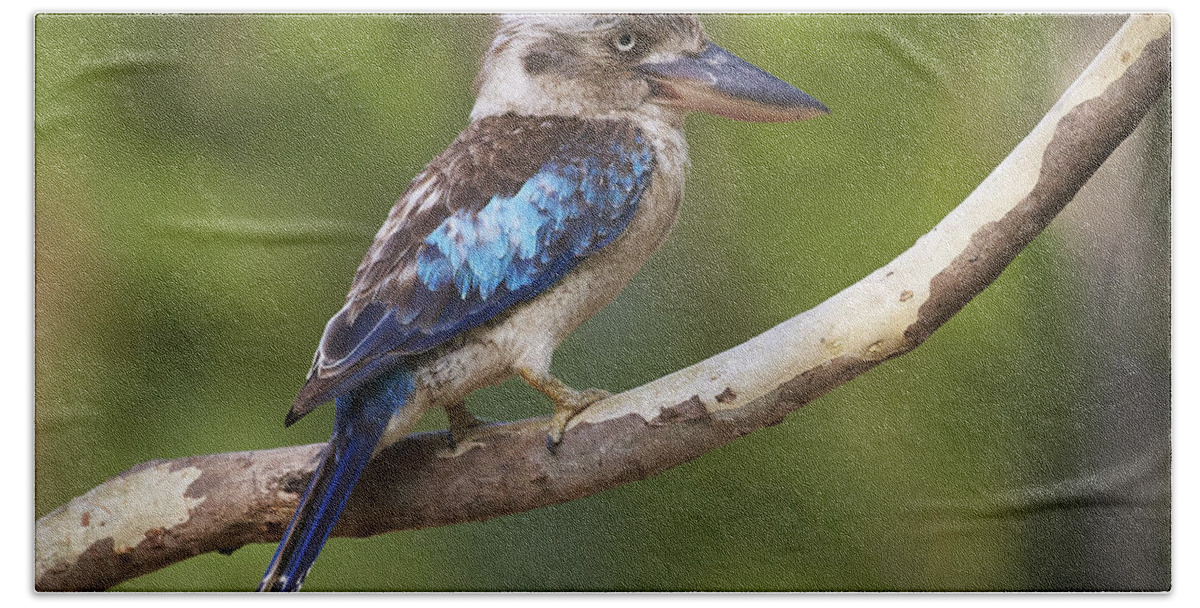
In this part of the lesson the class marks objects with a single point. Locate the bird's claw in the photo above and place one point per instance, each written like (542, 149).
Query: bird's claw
(566, 410)
(462, 424)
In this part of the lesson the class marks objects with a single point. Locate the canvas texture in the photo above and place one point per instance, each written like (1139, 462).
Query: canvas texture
(207, 186)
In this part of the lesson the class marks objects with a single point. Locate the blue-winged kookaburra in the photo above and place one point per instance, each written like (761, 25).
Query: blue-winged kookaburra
(569, 176)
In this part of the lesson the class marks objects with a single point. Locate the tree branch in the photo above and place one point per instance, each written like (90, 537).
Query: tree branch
(161, 512)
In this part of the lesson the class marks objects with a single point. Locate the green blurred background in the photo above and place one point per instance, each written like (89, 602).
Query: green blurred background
(206, 186)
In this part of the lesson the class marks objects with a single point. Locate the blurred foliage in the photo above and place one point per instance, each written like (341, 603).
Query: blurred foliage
(206, 186)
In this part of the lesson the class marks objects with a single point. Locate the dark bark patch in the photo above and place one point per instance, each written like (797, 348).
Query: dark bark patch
(684, 411)
(95, 566)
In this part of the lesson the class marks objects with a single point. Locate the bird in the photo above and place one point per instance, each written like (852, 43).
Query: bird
(569, 175)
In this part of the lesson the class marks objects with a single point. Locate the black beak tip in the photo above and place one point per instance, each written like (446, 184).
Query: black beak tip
(291, 418)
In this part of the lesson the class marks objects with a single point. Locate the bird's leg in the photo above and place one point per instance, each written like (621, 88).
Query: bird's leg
(462, 422)
(567, 401)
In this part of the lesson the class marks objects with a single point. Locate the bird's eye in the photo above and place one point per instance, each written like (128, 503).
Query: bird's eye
(625, 42)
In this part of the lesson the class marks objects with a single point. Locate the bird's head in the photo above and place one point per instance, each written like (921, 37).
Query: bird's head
(593, 65)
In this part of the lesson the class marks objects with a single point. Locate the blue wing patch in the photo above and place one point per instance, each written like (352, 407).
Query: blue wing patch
(479, 260)
(517, 246)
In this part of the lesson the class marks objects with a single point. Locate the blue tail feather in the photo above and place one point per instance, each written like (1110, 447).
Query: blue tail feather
(362, 416)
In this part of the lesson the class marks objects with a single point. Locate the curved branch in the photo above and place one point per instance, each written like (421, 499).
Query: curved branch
(161, 512)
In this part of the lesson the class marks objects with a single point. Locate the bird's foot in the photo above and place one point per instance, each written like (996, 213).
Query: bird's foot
(567, 401)
(462, 424)
(566, 408)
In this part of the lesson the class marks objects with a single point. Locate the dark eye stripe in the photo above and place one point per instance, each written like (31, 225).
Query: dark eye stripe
(537, 63)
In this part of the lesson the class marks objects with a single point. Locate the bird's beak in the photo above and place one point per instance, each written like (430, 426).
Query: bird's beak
(721, 83)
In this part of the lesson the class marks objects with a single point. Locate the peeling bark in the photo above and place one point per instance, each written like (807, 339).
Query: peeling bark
(223, 501)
